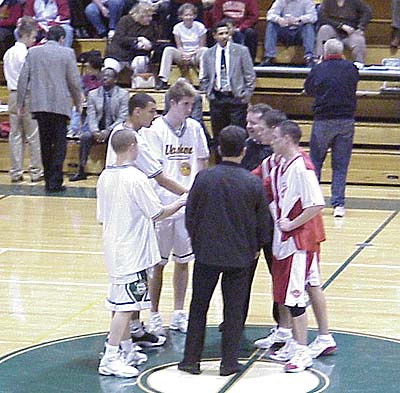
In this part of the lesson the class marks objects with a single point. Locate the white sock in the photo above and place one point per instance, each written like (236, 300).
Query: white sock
(325, 337)
(126, 345)
(111, 350)
(136, 328)
(285, 331)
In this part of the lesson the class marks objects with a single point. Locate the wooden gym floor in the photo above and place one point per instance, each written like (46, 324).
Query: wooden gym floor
(53, 280)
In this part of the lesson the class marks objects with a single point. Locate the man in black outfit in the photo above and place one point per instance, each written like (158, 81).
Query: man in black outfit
(228, 222)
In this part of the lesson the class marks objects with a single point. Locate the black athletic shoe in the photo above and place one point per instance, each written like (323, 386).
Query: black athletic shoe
(149, 340)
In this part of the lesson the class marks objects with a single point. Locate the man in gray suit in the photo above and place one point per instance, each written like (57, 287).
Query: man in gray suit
(107, 106)
(51, 74)
(228, 80)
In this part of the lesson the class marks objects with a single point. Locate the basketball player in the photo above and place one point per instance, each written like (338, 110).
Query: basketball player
(127, 206)
(180, 145)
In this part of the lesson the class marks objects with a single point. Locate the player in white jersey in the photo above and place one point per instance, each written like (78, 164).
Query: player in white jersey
(296, 206)
(141, 112)
(180, 144)
(127, 207)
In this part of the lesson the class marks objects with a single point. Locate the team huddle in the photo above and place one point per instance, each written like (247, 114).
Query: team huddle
(156, 168)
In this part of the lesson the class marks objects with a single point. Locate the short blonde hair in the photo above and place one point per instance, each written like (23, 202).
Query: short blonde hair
(187, 7)
(333, 47)
(181, 88)
(122, 139)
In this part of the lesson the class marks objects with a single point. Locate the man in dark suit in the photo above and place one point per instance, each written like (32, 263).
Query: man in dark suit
(51, 74)
(228, 222)
(107, 106)
(228, 80)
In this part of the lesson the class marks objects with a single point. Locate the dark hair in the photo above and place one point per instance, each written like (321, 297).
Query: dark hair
(221, 23)
(95, 61)
(291, 129)
(115, 73)
(122, 139)
(55, 33)
(274, 117)
(232, 141)
(139, 100)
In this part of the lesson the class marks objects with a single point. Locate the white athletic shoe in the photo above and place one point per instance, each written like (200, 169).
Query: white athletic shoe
(134, 358)
(275, 337)
(115, 365)
(300, 361)
(339, 211)
(285, 353)
(155, 325)
(179, 321)
(322, 347)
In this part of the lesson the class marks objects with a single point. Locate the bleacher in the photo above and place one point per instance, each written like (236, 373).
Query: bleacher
(376, 153)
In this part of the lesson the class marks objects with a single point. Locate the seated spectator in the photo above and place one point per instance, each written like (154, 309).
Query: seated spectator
(134, 39)
(345, 20)
(91, 80)
(98, 11)
(10, 12)
(244, 14)
(107, 106)
(50, 13)
(190, 39)
(78, 19)
(161, 17)
(395, 40)
(173, 16)
(292, 23)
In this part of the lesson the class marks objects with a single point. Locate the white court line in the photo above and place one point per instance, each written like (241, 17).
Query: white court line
(363, 265)
(38, 250)
(57, 283)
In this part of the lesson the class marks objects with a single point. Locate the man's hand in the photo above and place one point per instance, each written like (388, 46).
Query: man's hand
(348, 29)
(21, 111)
(285, 225)
(99, 136)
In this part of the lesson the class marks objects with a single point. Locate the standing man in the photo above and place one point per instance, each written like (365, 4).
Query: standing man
(228, 80)
(292, 23)
(333, 84)
(50, 72)
(107, 106)
(226, 217)
(22, 129)
(179, 143)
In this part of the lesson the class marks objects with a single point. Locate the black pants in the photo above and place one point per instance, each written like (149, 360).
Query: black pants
(224, 111)
(53, 144)
(234, 291)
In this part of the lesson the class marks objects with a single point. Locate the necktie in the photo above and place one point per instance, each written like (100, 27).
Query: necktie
(107, 108)
(224, 74)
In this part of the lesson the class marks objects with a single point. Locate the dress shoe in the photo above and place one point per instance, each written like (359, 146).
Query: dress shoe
(78, 176)
(191, 368)
(225, 371)
(56, 189)
(221, 327)
(161, 85)
(83, 32)
(267, 61)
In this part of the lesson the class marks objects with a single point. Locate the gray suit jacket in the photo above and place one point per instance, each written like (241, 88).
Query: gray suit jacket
(241, 72)
(95, 105)
(51, 74)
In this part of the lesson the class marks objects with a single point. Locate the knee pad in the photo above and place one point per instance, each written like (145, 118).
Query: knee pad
(297, 311)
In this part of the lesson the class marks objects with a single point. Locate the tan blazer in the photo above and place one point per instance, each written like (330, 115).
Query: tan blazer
(51, 74)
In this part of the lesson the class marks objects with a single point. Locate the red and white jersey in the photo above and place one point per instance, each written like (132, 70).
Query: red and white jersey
(294, 187)
(178, 151)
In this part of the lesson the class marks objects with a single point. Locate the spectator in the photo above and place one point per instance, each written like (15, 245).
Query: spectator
(292, 23)
(394, 43)
(333, 84)
(22, 129)
(10, 12)
(78, 20)
(190, 40)
(52, 74)
(345, 20)
(173, 17)
(134, 39)
(100, 10)
(50, 13)
(228, 80)
(244, 14)
(107, 107)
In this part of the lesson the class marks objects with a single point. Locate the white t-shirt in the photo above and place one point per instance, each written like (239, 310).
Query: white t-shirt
(178, 151)
(295, 187)
(126, 207)
(190, 38)
(145, 160)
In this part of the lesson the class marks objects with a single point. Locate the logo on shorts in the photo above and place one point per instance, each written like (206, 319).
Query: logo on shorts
(295, 293)
(139, 290)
